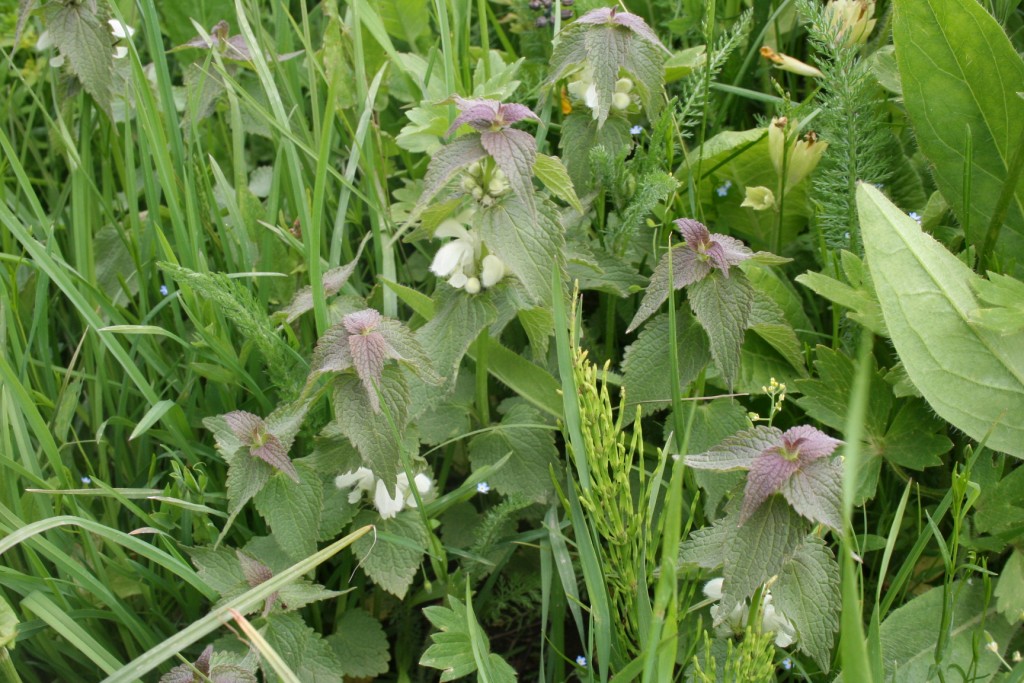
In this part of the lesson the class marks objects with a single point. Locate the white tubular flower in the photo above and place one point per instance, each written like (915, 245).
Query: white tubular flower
(121, 31)
(759, 198)
(472, 285)
(713, 588)
(360, 481)
(457, 259)
(772, 621)
(493, 270)
(387, 506)
(425, 486)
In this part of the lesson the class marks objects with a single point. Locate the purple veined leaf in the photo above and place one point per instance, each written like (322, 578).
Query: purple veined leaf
(251, 430)
(245, 426)
(255, 572)
(489, 115)
(767, 474)
(816, 492)
(724, 251)
(636, 24)
(203, 662)
(270, 450)
(738, 451)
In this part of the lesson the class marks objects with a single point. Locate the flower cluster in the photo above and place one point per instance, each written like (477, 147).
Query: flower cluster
(485, 185)
(120, 30)
(772, 620)
(362, 481)
(583, 89)
(462, 261)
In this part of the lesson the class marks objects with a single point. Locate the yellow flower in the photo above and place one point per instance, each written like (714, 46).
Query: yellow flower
(853, 20)
(787, 63)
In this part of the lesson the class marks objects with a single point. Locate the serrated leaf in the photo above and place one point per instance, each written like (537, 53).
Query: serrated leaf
(958, 51)
(807, 593)
(332, 282)
(706, 547)
(456, 324)
(738, 451)
(302, 648)
(528, 242)
(391, 565)
(85, 41)
(768, 321)
(1009, 592)
(371, 432)
(539, 325)
(292, 511)
(580, 135)
(596, 269)
(446, 163)
(361, 645)
(553, 174)
(759, 549)
(515, 152)
(610, 41)
(722, 305)
(452, 650)
(254, 571)
(971, 377)
(816, 490)
(522, 433)
(220, 569)
(643, 365)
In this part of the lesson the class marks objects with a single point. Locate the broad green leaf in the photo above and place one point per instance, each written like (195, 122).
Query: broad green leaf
(1004, 296)
(1009, 591)
(292, 511)
(86, 43)
(515, 152)
(452, 650)
(551, 172)
(960, 76)
(539, 324)
(456, 324)
(302, 648)
(910, 633)
(178, 17)
(807, 593)
(523, 433)
(530, 243)
(1000, 509)
(714, 421)
(528, 380)
(405, 20)
(360, 645)
(596, 269)
(392, 556)
(972, 377)
(643, 365)
(723, 305)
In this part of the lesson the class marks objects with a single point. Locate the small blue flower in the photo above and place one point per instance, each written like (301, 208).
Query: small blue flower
(163, 290)
(636, 130)
(86, 480)
(483, 487)
(787, 663)
(916, 216)
(878, 185)
(723, 189)
(581, 661)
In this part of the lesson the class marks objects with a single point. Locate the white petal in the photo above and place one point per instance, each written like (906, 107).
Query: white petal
(448, 258)
(458, 281)
(120, 29)
(590, 97)
(57, 62)
(387, 506)
(493, 270)
(452, 227)
(45, 41)
(424, 484)
(120, 52)
(472, 285)
(620, 100)
(713, 588)
(350, 479)
(354, 496)
(260, 181)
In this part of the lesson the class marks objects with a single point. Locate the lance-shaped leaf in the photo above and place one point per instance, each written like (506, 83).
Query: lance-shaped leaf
(609, 42)
(364, 341)
(794, 463)
(692, 261)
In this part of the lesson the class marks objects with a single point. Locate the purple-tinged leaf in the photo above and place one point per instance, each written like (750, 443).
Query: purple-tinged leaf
(332, 353)
(255, 572)
(515, 152)
(722, 306)
(478, 114)
(514, 113)
(686, 269)
(271, 451)
(203, 662)
(245, 426)
(737, 452)
(332, 282)
(407, 350)
(369, 351)
(816, 491)
(809, 443)
(767, 474)
(609, 15)
(449, 160)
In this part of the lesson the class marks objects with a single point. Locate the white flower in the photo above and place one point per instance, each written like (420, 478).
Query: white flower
(493, 271)
(483, 487)
(44, 42)
(387, 505)
(424, 484)
(581, 661)
(120, 29)
(360, 481)
(772, 621)
(472, 285)
(457, 259)
(759, 198)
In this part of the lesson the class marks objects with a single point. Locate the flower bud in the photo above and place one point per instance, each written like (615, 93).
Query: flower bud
(493, 270)
(804, 157)
(759, 198)
(852, 20)
(472, 285)
(787, 63)
(777, 142)
(621, 100)
(624, 85)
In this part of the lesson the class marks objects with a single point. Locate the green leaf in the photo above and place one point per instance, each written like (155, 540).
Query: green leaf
(523, 433)
(452, 650)
(539, 325)
(360, 645)
(292, 511)
(723, 305)
(596, 269)
(960, 76)
(392, 556)
(405, 20)
(759, 549)
(858, 296)
(446, 163)
(643, 365)
(1009, 591)
(305, 652)
(515, 153)
(1005, 295)
(973, 378)
(455, 325)
(530, 243)
(910, 633)
(551, 172)
(807, 593)
(371, 432)
(85, 41)
(580, 134)
(769, 322)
